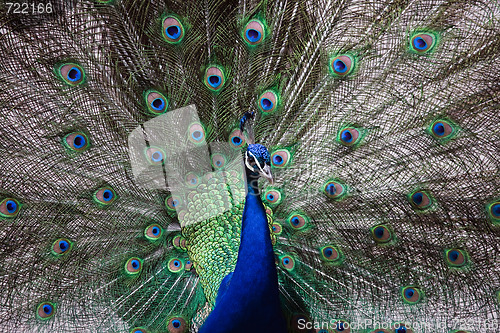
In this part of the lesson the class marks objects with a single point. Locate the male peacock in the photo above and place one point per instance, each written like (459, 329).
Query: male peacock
(351, 145)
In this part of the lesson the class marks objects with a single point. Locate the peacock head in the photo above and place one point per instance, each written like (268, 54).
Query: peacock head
(258, 162)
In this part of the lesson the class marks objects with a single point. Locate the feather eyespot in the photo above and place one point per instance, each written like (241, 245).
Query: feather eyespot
(218, 161)
(349, 136)
(175, 265)
(422, 43)
(173, 203)
(381, 234)
(133, 266)
(76, 141)
(280, 158)
(268, 101)
(173, 30)
(177, 325)
(139, 330)
(45, 310)
(237, 139)
(272, 196)
(334, 189)
(402, 328)
(61, 246)
(297, 221)
(330, 253)
(287, 262)
(411, 295)
(156, 102)
(276, 228)
(342, 326)
(214, 78)
(9, 207)
(71, 73)
(442, 130)
(189, 265)
(342, 65)
(254, 32)
(153, 232)
(105, 196)
(197, 133)
(456, 257)
(493, 210)
(420, 200)
(155, 156)
(192, 180)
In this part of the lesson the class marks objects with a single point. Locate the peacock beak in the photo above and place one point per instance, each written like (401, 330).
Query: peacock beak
(266, 173)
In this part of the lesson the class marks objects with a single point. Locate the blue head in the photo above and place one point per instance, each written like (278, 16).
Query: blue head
(258, 161)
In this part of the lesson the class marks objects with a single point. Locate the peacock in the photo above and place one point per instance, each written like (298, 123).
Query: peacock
(250, 166)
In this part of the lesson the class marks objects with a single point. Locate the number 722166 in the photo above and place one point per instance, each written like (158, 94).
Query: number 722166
(29, 8)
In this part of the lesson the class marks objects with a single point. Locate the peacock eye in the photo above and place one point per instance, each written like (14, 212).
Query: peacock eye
(153, 232)
(268, 101)
(155, 155)
(272, 196)
(456, 257)
(297, 221)
(411, 295)
(280, 158)
(156, 102)
(422, 43)
(173, 30)
(349, 136)
(254, 32)
(276, 228)
(335, 190)
(493, 210)
(175, 265)
(442, 129)
(105, 196)
(420, 200)
(177, 325)
(173, 203)
(192, 179)
(236, 138)
(402, 328)
(45, 310)
(61, 246)
(197, 133)
(330, 253)
(342, 65)
(71, 73)
(287, 262)
(9, 207)
(218, 161)
(214, 78)
(133, 266)
(381, 234)
(76, 141)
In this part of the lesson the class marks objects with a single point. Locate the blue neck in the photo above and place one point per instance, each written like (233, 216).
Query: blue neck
(250, 297)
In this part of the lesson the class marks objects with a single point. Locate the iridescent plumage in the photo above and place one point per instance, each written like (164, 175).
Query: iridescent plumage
(134, 131)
